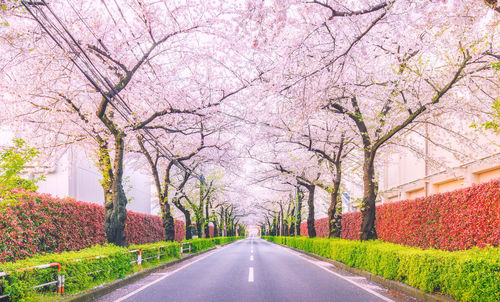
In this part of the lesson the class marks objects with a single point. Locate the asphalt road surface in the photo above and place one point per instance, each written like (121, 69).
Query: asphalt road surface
(253, 270)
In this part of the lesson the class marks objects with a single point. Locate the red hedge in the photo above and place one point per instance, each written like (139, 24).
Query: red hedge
(180, 230)
(454, 220)
(40, 223)
(321, 226)
(351, 225)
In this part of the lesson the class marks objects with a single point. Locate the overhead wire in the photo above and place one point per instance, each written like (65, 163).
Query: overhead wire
(80, 57)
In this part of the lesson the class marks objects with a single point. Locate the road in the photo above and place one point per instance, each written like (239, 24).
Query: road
(253, 270)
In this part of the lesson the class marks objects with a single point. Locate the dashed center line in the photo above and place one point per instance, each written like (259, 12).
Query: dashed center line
(251, 258)
(250, 274)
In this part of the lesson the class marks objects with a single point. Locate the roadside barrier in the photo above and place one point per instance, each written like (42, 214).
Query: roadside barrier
(59, 282)
(60, 279)
(182, 247)
(79, 273)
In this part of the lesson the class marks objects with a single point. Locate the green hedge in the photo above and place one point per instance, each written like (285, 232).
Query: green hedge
(225, 240)
(81, 274)
(470, 275)
(200, 244)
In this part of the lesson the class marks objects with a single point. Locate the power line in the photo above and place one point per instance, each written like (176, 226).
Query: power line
(63, 38)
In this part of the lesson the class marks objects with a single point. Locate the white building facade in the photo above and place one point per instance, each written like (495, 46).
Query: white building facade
(75, 176)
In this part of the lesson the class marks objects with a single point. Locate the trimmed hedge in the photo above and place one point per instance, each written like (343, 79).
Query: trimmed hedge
(200, 244)
(39, 223)
(81, 274)
(452, 221)
(226, 240)
(471, 275)
(113, 263)
(321, 226)
(180, 230)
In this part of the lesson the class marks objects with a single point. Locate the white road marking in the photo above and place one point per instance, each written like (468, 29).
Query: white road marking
(364, 287)
(165, 276)
(250, 274)
(356, 278)
(251, 258)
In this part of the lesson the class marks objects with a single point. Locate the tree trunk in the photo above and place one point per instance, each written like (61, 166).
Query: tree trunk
(298, 221)
(207, 227)
(368, 209)
(168, 221)
(187, 217)
(166, 212)
(216, 229)
(199, 228)
(310, 218)
(335, 211)
(282, 223)
(115, 199)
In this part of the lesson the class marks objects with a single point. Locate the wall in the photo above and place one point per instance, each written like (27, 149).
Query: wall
(76, 177)
(442, 163)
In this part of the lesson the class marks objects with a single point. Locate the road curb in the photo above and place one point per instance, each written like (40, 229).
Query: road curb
(99, 291)
(392, 284)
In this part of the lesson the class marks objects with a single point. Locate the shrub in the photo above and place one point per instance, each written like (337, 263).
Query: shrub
(40, 223)
(82, 269)
(225, 240)
(12, 163)
(471, 275)
(200, 244)
(180, 230)
(452, 221)
(320, 225)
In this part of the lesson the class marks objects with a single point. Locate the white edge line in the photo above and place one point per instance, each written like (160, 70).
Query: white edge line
(338, 275)
(164, 276)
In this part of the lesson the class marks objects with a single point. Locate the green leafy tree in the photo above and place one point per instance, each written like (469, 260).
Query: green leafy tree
(494, 123)
(12, 163)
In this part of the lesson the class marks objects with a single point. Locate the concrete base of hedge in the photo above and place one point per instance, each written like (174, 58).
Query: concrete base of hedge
(97, 292)
(395, 285)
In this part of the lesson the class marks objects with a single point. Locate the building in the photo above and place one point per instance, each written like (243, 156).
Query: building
(406, 174)
(73, 175)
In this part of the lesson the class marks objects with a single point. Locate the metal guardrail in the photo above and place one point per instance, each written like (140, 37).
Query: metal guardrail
(182, 247)
(62, 278)
(59, 282)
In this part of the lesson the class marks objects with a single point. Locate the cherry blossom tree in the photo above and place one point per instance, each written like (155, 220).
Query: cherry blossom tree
(132, 54)
(382, 65)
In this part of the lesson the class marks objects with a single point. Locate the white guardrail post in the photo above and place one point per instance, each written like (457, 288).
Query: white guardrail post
(182, 248)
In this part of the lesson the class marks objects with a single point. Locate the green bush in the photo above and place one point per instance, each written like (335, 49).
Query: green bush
(12, 163)
(469, 275)
(201, 244)
(225, 240)
(90, 267)
(107, 263)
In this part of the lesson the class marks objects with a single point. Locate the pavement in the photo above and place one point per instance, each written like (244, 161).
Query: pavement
(253, 270)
